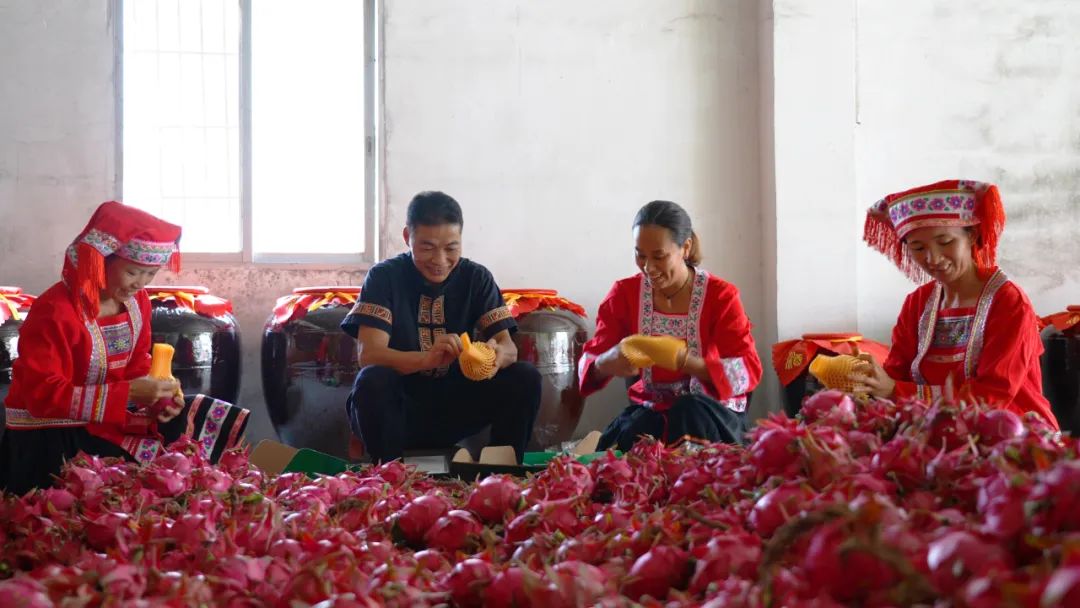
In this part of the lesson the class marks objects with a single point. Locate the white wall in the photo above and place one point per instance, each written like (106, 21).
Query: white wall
(57, 131)
(553, 122)
(977, 90)
(812, 221)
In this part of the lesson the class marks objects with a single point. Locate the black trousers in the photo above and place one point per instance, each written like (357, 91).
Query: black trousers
(699, 416)
(392, 413)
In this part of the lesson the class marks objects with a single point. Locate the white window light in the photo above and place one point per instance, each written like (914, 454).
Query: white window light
(250, 124)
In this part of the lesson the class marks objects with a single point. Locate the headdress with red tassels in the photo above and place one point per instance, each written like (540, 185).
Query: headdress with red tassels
(127, 232)
(945, 203)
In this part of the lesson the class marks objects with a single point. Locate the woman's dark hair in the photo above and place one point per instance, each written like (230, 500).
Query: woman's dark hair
(676, 220)
(433, 208)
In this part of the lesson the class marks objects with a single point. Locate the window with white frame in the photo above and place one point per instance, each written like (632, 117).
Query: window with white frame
(249, 123)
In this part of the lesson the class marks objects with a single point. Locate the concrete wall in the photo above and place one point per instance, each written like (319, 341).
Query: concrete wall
(57, 131)
(813, 113)
(553, 122)
(978, 90)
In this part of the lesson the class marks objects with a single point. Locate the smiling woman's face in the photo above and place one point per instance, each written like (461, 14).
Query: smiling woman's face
(658, 256)
(124, 278)
(944, 252)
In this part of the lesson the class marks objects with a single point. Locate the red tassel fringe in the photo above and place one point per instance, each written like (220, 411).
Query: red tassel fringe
(991, 214)
(89, 277)
(174, 261)
(879, 233)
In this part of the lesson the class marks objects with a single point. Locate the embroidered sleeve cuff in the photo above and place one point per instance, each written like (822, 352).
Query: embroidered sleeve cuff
(100, 403)
(729, 376)
(367, 314)
(494, 321)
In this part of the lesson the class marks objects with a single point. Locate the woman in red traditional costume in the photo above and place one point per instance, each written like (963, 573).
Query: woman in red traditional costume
(80, 382)
(970, 327)
(680, 333)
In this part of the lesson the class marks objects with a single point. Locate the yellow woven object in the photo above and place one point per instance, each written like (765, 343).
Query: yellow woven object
(634, 355)
(834, 372)
(647, 351)
(477, 359)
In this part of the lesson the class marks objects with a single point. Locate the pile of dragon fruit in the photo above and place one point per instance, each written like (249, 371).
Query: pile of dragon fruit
(872, 504)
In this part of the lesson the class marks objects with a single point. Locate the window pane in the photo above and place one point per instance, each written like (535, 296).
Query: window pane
(181, 117)
(308, 126)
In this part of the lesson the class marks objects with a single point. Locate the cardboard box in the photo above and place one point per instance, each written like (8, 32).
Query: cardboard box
(275, 458)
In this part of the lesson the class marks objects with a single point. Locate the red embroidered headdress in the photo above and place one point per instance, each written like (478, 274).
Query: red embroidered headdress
(946, 203)
(117, 229)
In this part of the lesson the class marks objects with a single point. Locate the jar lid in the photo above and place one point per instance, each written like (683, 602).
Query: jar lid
(1074, 308)
(538, 292)
(532, 292)
(192, 289)
(325, 288)
(834, 337)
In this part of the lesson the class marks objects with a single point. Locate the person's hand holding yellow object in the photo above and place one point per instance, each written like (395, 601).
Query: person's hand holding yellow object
(662, 351)
(161, 369)
(477, 359)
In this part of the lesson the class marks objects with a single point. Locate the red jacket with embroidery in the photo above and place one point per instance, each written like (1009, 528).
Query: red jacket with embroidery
(997, 363)
(718, 331)
(65, 377)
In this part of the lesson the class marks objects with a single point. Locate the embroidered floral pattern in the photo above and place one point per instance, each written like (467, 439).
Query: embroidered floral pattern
(88, 399)
(105, 243)
(928, 323)
(735, 404)
(982, 312)
(136, 320)
(953, 332)
(737, 374)
(653, 323)
(211, 427)
(150, 253)
(23, 419)
(118, 339)
(922, 204)
(146, 450)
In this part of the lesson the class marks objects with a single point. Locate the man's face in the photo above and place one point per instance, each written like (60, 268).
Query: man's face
(436, 250)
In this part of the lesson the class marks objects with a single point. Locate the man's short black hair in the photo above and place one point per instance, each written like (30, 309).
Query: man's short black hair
(433, 208)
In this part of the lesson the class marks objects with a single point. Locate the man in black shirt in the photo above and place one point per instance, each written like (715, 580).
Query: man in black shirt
(410, 392)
